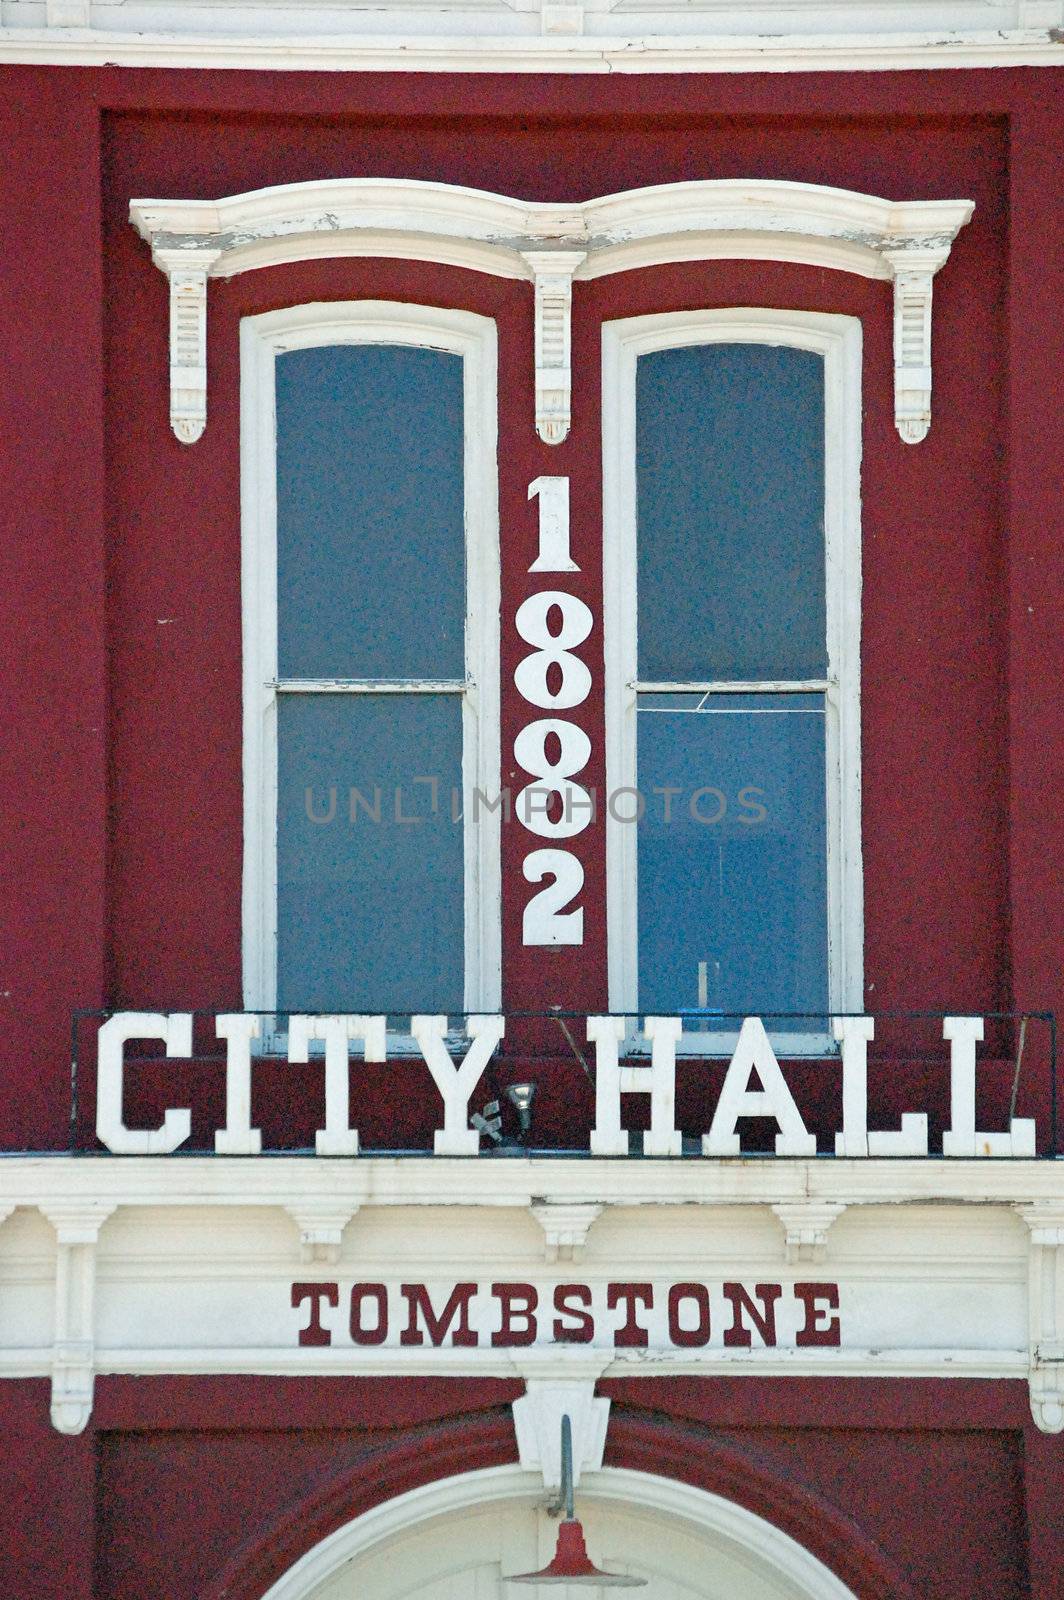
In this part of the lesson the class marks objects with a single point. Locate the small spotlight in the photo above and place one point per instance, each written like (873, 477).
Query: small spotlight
(520, 1096)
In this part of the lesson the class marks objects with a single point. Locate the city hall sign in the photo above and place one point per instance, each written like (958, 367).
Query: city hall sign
(753, 1085)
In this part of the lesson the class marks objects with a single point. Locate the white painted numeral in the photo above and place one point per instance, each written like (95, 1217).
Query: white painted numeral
(546, 921)
(537, 799)
(532, 676)
(555, 680)
(554, 554)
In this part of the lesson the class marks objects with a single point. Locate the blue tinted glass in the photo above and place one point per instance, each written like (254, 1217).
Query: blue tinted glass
(370, 513)
(732, 880)
(370, 912)
(730, 481)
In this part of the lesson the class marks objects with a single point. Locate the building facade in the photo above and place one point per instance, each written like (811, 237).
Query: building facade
(533, 798)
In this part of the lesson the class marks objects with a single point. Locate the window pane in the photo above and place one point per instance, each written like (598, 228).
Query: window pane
(370, 513)
(370, 913)
(730, 481)
(732, 879)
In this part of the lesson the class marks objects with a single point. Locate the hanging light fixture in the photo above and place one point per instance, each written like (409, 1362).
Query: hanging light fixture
(571, 1563)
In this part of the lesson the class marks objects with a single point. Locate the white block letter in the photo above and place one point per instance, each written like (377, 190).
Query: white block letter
(456, 1084)
(658, 1080)
(855, 1139)
(774, 1099)
(963, 1138)
(238, 1137)
(337, 1138)
(176, 1030)
(607, 1136)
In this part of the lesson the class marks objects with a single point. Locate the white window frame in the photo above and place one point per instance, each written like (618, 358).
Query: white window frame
(373, 322)
(838, 340)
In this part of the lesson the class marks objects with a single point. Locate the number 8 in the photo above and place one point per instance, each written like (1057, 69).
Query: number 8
(554, 649)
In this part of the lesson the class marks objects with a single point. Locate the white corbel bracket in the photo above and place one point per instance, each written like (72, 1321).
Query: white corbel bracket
(704, 220)
(77, 1228)
(913, 270)
(187, 271)
(806, 1224)
(565, 1228)
(538, 1425)
(552, 273)
(1045, 1312)
(321, 1230)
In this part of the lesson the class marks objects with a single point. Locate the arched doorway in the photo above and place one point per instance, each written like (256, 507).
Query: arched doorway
(459, 1538)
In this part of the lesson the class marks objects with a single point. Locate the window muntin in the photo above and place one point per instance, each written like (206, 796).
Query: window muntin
(732, 604)
(383, 486)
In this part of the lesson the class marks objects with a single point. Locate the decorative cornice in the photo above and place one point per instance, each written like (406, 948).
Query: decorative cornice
(373, 1181)
(552, 245)
(549, 52)
(412, 218)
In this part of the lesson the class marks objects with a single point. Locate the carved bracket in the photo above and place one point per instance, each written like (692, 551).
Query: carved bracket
(321, 1229)
(712, 219)
(565, 1228)
(913, 272)
(1045, 1312)
(806, 1224)
(552, 273)
(77, 1229)
(187, 272)
(538, 1419)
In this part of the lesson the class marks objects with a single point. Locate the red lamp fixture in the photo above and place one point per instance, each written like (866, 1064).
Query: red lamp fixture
(571, 1563)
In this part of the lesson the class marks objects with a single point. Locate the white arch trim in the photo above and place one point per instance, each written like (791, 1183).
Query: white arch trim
(710, 1514)
(551, 245)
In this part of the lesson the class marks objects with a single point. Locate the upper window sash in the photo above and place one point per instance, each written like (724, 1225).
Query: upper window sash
(837, 340)
(380, 323)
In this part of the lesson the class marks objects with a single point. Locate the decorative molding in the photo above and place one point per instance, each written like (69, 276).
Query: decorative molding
(551, 245)
(707, 1515)
(321, 1229)
(537, 1423)
(806, 1224)
(382, 1181)
(187, 272)
(565, 1228)
(77, 1228)
(1045, 1301)
(552, 272)
(650, 51)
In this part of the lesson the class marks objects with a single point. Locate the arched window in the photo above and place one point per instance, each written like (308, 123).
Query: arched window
(732, 633)
(371, 659)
